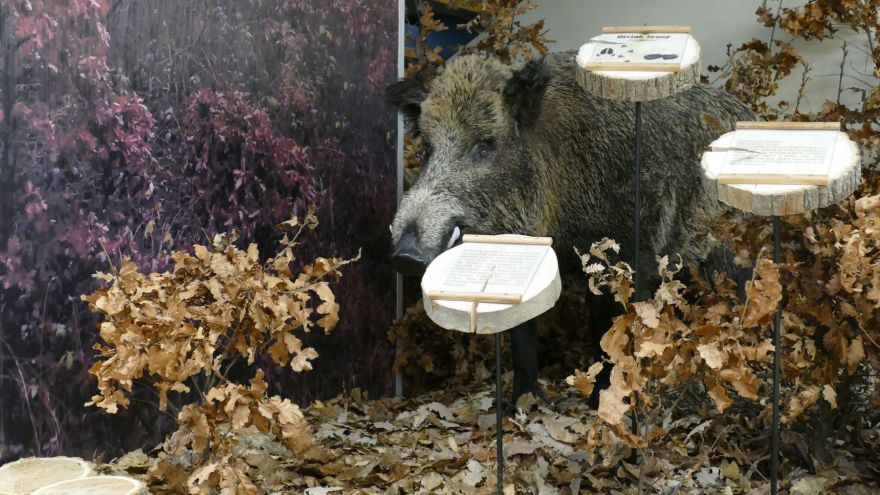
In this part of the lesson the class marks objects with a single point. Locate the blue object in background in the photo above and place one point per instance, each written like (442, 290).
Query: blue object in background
(448, 39)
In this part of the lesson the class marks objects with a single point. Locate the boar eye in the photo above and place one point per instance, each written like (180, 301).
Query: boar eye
(482, 150)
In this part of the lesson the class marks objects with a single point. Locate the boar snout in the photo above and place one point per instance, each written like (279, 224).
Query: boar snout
(408, 258)
(428, 222)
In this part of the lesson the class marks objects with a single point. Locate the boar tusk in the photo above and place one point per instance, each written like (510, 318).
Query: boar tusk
(391, 228)
(455, 235)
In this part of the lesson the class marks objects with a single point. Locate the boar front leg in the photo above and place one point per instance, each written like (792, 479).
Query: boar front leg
(524, 349)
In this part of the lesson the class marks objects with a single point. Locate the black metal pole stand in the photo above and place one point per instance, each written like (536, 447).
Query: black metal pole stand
(637, 182)
(499, 431)
(777, 371)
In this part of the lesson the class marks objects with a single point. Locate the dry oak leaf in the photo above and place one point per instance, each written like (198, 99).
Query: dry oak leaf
(830, 396)
(799, 403)
(584, 382)
(764, 350)
(855, 355)
(201, 475)
(648, 313)
(649, 349)
(616, 340)
(719, 396)
(612, 407)
(764, 295)
(712, 353)
(743, 380)
(192, 421)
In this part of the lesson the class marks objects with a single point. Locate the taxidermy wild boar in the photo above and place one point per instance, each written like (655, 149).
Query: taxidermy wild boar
(525, 150)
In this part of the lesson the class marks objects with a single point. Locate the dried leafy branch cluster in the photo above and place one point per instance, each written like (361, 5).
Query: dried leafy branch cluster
(502, 35)
(183, 330)
(665, 341)
(754, 69)
(705, 331)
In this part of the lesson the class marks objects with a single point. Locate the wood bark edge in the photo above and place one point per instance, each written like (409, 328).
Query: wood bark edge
(633, 67)
(664, 85)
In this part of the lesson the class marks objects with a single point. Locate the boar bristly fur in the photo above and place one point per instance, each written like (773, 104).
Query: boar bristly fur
(524, 149)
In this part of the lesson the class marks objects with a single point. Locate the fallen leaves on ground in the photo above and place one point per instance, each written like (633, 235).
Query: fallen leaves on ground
(444, 442)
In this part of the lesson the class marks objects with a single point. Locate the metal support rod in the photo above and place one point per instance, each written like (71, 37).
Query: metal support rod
(398, 278)
(777, 370)
(499, 430)
(7, 176)
(637, 186)
(7, 172)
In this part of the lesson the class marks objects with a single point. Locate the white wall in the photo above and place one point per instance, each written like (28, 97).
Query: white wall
(714, 23)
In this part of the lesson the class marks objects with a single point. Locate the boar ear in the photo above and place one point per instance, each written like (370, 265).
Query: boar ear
(525, 91)
(407, 96)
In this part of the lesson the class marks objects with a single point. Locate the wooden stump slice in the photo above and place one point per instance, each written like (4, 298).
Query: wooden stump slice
(490, 317)
(635, 86)
(96, 485)
(782, 199)
(24, 476)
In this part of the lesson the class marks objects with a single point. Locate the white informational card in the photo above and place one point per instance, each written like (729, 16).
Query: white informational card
(494, 268)
(773, 156)
(638, 48)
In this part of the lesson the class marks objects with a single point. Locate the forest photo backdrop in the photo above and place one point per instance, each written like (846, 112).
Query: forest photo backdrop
(134, 128)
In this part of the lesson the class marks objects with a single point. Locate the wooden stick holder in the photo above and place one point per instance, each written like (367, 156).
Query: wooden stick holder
(789, 126)
(645, 29)
(501, 239)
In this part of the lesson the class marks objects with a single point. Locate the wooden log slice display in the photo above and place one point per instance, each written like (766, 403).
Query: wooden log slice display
(638, 79)
(96, 485)
(24, 476)
(780, 195)
(522, 262)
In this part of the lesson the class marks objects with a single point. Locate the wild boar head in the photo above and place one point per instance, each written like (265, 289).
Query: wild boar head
(477, 176)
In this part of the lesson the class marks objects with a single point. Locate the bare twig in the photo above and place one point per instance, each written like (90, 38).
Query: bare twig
(869, 336)
(805, 78)
(840, 78)
(775, 23)
(27, 400)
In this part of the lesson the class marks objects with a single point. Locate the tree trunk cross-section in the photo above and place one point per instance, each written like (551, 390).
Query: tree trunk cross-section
(783, 199)
(24, 476)
(471, 314)
(636, 86)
